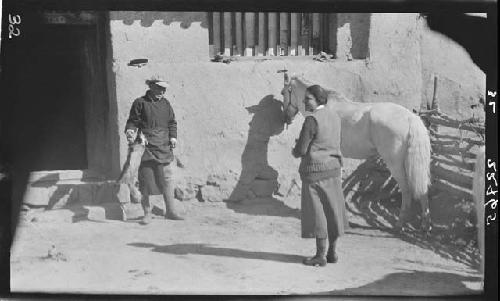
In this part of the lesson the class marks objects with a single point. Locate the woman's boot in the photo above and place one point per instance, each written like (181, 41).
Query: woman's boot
(320, 258)
(331, 255)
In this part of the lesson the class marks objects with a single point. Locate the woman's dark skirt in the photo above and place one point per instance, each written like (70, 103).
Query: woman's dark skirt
(323, 209)
(154, 177)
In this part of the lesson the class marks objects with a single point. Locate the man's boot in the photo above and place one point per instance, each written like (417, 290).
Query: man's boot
(168, 197)
(320, 258)
(146, 206)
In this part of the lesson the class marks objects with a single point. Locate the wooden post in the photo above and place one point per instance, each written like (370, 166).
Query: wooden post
(272, 30)
(435, 104)
(316, 33)
(332, 34)
(293, 33)
(228, 41)
(309, 34)
(262, 34)
(283, 35)
(216, 33)
(239, 34)
(301, 39)
(305, 33)
(211, 50)
(249, 33)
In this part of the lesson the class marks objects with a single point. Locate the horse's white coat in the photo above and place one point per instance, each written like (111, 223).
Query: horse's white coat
(386, 129)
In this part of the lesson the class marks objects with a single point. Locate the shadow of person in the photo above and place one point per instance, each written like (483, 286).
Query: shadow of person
(203, 249)
(267, 121)
(269, 206)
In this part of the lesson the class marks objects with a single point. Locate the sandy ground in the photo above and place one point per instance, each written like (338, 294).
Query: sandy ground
(250, 248)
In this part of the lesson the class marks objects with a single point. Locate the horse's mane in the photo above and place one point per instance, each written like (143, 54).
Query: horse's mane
(332, 93)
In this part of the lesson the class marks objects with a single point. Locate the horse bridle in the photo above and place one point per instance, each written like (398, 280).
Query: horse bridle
(296, 108)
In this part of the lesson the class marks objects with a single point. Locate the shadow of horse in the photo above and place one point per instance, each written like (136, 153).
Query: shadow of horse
(410, 282)
(253, 193)
(267, 121)
(373, 200)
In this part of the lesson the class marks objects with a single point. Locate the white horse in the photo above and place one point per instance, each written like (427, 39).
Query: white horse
(478, 191)
(387, 129)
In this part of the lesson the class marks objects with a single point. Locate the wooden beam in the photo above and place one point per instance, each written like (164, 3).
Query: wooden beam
(262, 34)
(218, 38)
(228, 41)
(301, 35)
(309, 34)
(332, 34)
(284, 32)
(294, 33)
(316, 33)
(211, 51)
(249, 41)
(239, 34)
(272, 30)
(449, 122)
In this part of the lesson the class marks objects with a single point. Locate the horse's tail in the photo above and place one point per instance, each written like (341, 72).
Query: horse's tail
(418, 158)
(478, 191)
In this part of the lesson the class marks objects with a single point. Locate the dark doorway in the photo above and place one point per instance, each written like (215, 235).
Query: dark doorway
(50, 98)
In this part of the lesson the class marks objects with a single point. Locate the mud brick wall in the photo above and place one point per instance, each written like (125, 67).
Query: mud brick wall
(232, 142)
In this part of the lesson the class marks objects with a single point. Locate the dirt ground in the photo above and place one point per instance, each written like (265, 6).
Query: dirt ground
(253, 247)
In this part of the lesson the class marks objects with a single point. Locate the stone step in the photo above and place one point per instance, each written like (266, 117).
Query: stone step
(100, 213)
(78, 212)
(60, 194)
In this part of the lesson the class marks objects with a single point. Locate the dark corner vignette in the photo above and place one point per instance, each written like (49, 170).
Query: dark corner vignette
(16, 21)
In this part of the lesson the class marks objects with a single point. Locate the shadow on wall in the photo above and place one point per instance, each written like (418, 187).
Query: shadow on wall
(147, 18)
(258, 178)
(359, 25)
(413, 283)
(373, 196)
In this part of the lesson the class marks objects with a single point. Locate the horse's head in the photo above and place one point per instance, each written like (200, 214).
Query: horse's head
(293, 95)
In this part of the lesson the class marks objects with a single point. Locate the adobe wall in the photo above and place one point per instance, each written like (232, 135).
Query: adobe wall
(229, 115)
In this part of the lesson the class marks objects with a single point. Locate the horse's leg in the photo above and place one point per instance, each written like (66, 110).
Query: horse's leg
(426, 216)
(398, 172)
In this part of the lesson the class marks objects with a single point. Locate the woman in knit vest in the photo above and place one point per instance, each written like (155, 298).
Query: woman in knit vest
(323, 209)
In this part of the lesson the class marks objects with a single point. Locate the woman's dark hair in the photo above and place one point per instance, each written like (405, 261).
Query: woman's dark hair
(319, 93)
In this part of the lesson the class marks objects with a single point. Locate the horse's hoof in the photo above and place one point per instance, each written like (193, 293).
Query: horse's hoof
(427, 229)
(398, 227)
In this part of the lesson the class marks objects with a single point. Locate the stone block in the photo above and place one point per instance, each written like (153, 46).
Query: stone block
(110, 192)
(54, 216)
(185, 190)
(86, 193)
(37, 196)
(211, 193)
(63, 196)
(132, 211)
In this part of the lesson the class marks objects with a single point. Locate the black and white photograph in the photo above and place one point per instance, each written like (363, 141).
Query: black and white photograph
(249, 152)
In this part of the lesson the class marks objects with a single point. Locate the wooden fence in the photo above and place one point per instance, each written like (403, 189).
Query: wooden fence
(454, 144)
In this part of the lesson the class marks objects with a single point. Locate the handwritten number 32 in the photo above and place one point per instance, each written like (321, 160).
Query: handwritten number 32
(14, 20)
